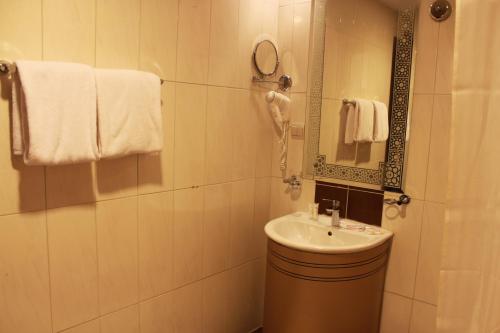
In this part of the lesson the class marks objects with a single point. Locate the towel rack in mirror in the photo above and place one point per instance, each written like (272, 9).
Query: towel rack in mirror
(8, 68)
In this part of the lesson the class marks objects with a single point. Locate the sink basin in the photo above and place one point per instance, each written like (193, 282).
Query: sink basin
(300, 232)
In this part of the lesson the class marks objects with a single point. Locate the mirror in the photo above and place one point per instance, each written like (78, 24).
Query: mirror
(360, 50)
(265, 58)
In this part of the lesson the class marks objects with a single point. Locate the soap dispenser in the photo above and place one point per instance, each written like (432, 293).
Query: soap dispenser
(334, 212)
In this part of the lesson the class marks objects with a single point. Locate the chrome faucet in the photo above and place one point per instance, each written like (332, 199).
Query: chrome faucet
(334, 212)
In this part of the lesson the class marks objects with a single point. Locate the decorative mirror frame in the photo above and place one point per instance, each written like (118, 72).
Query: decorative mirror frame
(254, 58)
(390, 173)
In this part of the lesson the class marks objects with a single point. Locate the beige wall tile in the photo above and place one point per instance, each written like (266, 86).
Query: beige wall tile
(444, 67)
(188, 235)
(301, 21)
(156, 171)
(406, 223)
(157, 314)
(223, 64)
(437, 174)
(429, 259)
(285, 39)
(221, 118)
(73, 265)
(418, 146)
(241, 227)
(244, 143)
(76, 18)
(396, 313)
(116, 178)
(117, 253)
(188, 308)
(24, 274)
(261, 215)
(423, 318)
(249, 28)
(190, 127)
(158, 39)
(215, 303)
(427, 48)
(216, 223)
(117, 36)
(156, 250)
(123, 321)
(193, 41)
(89, 327)
(70, 185)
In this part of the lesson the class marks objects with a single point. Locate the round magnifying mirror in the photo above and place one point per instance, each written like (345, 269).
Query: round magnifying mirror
(265, 58)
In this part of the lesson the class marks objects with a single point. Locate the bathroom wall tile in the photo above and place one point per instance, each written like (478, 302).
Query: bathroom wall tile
(365, 206)
(429, 259)
(244, 143)
(285, 200)
(221, 117)
(241, 226)
(117, 253)
(188, 235)
(156, 171)
(157, 314)
(396, 313)
(418, 148)
(156, 250)
(406, 223)
(246, 296)
(21, 30)
(249, 28)
(70, 185)
(285, 39)
(158, 39)
(188, 308)
(123, 321)
(444, 67)
(223, 64)
(77, 19)
(73, 265)
(190, 126)
(261, 215)
(193, 41)
(301, 21)
(23, 187)
(426, 57)
(269, 15)
(24, 274)
(215, 303)
(437, 174)
(423, 318)
(116, 178)
(117, 36)
(216, 223)
(89, 327)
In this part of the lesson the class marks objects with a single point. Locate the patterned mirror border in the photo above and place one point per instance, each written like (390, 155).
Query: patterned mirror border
(390, 173)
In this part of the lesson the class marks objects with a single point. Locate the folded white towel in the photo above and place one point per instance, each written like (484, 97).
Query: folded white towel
(359, 123)
(129, 112)
(54, 113)
(381, 122)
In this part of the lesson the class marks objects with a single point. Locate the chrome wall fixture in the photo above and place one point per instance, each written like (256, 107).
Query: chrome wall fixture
(403, 200)
(9, 68)
(440, 10)
(284, 83)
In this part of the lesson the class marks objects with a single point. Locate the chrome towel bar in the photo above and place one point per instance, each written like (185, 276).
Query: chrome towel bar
(9, 68)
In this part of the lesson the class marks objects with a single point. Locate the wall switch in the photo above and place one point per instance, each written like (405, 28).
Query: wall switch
(297, 130)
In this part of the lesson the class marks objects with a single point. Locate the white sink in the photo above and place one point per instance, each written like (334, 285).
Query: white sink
(300, 232)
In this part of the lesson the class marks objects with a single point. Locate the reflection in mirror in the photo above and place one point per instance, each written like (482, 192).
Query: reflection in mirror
(357, 48)
(265, 58)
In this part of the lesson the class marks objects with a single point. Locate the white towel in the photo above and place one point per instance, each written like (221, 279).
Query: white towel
(359, 123)
(381, 122)
(54, 113)
(129, 112)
